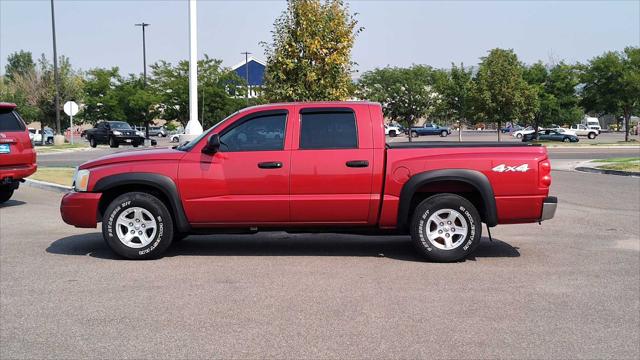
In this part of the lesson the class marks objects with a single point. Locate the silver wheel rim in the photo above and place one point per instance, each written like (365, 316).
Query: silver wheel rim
(446, 229)
(136, 227)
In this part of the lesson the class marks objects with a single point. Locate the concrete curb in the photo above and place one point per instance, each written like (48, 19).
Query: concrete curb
(607, 172)
(47, 186)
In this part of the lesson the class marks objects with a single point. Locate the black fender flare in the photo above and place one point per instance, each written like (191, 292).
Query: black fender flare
(161, 183)
(472, 177)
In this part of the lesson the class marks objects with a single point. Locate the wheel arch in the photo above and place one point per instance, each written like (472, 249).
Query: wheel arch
(474, 179)
(162, 186)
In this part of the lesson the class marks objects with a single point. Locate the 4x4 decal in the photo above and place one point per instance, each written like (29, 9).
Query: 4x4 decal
(505, 168)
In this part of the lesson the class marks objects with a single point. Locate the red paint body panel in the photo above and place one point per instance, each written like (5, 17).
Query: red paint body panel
(315, 187)
(80, 209)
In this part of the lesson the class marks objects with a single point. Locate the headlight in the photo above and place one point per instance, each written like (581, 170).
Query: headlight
(140, 133)
(81, 180)
(116, 132)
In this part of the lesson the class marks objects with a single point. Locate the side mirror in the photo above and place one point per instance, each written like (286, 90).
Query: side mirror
(213, 145)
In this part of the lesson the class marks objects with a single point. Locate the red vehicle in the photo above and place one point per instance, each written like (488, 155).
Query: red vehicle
(309, 167)
(17, 156)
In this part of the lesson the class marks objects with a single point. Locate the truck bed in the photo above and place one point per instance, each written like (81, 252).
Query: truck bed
(466, 144)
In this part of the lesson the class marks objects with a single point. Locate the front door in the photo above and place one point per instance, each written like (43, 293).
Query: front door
(332, 167)
(247, 181)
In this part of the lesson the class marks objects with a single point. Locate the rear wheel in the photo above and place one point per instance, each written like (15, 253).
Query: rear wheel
(138, 226)
(519, 136)
(135, 144)
(392, 133)
(414, 134)
(92, 142)
(566, 139)
(113, 143)
(446, 227)
(5, 195)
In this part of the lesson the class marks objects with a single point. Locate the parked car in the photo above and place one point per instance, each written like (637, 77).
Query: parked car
(563, 131)
(157, 131)
(520, 133)
(391, 130)
(551, 135)
(583, 130)
(36, 136)
(332, 171)
(17, 156)
(430, 129)
(114, 133)
(175, 138)
(511, 129)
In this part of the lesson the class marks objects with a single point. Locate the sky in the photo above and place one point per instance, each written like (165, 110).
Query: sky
(101, 33)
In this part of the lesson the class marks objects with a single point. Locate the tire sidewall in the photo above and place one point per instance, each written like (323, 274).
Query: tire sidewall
(5, 195)
(164, 234)
(446, 201)
(92, 142)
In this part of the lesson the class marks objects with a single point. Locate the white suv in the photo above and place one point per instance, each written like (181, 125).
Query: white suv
(583, 130)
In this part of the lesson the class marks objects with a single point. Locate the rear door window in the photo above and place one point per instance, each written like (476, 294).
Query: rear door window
(328, 130)
(9, 121)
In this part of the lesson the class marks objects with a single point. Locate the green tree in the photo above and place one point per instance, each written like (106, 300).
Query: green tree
(455, 87)
(612, 84)
(19, 63)
(309, 57)
(102, 101)
(406, 94)
(215, 84)
(501, 94)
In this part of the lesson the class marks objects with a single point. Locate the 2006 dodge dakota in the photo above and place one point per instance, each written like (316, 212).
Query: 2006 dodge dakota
(310, 167)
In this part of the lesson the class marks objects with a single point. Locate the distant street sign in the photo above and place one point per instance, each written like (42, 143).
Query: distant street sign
(70, 108)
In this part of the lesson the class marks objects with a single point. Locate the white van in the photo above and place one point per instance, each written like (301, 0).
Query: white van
(592, 123)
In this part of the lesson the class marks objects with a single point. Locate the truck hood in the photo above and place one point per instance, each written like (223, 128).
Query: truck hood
(135, 156)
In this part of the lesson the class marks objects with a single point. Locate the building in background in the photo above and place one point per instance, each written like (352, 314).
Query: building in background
(256, 74)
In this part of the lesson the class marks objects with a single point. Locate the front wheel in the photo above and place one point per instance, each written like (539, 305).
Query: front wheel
(444, 134)
(566, 140)
(392, 133)
(519, 136)
(414, 134)
(446, 227)
(137, 226)
(92, 142)
(5, 195)
(113, 143)
(591, 136)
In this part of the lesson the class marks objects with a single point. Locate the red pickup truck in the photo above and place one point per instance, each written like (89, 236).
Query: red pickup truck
(17, 156)
(310, 167)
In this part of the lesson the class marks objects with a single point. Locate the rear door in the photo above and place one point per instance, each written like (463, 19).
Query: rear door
(331, 165)
(15, 145)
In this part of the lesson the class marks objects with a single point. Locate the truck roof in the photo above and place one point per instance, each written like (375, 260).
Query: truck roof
(311, 103)
(7, 105)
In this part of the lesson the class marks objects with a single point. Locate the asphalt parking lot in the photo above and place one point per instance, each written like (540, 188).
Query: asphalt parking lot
(567, 289)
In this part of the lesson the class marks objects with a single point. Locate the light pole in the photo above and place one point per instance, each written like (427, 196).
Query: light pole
(55, 69)
(144, 74)
(246, 73)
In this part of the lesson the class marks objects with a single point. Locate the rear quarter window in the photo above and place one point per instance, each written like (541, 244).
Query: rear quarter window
(328, 130)
(9, 121)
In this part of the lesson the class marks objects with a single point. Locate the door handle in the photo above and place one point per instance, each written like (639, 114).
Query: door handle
(357, 163)
(270, 165)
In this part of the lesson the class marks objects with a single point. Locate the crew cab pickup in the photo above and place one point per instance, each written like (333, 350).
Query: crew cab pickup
(310, 167)
(17, 156)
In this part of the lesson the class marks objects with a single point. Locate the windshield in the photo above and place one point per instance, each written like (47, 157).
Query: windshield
(189, 145)
(119, 125)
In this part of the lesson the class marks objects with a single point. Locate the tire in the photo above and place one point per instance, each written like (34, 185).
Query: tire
(518, 136)
(113, 143)
(444, 134)
(5, 195)
(566, 140)
(150, 211)
(414, 134)
(392, 133)
(465, 219)
(591, 135)
(135, 144)
(92, 142)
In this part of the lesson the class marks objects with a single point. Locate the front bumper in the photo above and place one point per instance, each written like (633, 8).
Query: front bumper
(549, 206)
(80, 209)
